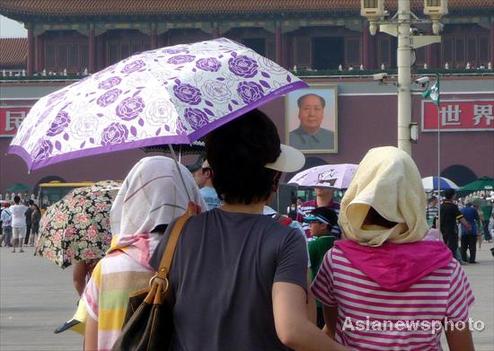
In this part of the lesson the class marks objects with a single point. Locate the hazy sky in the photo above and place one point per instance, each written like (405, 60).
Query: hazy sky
(11, 29)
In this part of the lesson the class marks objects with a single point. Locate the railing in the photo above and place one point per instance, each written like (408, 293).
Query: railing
(355, 73)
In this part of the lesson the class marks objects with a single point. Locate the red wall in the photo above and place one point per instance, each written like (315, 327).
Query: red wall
(364, 122)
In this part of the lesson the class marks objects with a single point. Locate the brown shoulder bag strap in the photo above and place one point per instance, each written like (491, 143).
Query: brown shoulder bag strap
(167, 258)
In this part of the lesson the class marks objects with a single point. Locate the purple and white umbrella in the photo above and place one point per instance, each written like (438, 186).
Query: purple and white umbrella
(337, 176)
(171, 95)
(436, 183)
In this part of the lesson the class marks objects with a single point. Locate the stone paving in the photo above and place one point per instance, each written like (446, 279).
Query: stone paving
(36, 296)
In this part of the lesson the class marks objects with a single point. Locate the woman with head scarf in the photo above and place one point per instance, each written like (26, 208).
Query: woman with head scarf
(387, 287)
(151, 196)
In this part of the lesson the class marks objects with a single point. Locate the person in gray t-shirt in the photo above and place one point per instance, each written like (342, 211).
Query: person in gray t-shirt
(239, 278)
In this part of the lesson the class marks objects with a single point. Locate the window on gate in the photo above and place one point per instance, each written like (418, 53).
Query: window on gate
(256, 44)
(328, 52)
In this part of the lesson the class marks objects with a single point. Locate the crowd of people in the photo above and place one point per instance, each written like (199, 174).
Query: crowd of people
(19, 223)
(464, 223)
(246, 277)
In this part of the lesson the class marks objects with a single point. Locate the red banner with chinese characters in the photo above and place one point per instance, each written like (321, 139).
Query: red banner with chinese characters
(458, 115)
(11, 118)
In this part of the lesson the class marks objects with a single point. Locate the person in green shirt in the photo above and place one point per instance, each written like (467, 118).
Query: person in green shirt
(320, 220)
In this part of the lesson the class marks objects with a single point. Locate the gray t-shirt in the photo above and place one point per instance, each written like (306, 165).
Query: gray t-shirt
(222, 275)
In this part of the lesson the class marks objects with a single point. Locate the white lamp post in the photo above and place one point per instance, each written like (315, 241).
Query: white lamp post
(400, 27)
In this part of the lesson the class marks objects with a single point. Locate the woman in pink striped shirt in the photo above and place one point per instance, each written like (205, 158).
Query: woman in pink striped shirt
(387, 287)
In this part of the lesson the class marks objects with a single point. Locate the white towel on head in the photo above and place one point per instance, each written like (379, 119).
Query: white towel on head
(387, 180)
(152, 194)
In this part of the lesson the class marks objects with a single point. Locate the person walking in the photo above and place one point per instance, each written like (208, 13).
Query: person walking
(152, 195)
(470, 235)
(35, 219)
(207, 190)
(450, 216)
(320, 220)
(432, 212)
(6, 217)
(239, 277)
(18, 223)
(385, 275)
(28, 215)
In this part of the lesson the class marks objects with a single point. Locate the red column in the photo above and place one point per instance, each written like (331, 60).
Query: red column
(92, 49)
(433, 56)
(279, 44)
(30, 51)
(492, 43)
(368, 48)
(40, 53)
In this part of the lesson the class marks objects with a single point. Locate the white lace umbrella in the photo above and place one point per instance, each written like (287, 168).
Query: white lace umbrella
(172, 95)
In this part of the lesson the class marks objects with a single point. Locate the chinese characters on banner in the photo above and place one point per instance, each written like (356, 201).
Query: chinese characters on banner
(11, 118)
(458, 115)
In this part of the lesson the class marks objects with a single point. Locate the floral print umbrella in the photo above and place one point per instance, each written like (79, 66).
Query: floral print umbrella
(172, 95)
(77, 228)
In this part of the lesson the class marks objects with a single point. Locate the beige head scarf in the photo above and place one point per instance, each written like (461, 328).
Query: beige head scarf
(388, 180)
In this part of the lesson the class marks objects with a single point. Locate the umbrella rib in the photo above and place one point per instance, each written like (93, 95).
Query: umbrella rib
(166, 204)
(144, 185)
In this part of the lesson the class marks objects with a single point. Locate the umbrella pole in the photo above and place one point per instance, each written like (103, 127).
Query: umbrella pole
(179, 171)
(438, 168)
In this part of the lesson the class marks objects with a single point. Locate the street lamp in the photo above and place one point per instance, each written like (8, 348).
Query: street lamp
(374, 11)
(435, 9)
(400, 26)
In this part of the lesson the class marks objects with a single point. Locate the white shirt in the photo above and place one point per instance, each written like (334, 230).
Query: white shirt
(18, 215)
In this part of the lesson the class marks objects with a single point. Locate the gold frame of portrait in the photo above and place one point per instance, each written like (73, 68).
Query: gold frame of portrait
(331, 105)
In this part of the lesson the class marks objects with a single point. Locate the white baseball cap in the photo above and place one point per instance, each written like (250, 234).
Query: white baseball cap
(290, 160)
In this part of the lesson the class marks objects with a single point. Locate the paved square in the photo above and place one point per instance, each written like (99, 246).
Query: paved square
(36, 296)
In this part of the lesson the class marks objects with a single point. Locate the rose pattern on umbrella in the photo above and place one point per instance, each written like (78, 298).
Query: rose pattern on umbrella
(209, 64)
(84, 128)
(181, 129)
(56, 97)
(270, 66)
(159, 113)
(217, 91)
(250, 91)
(196, 117)
(115, 133)
(43, 150)
(175, 50)
(109, 97)
(187, 93)
(86, 237)
(133, 66)
(109, 83)
(243, 66)
(130, 108)
(62, 121)
(209, 74)
(181, 59)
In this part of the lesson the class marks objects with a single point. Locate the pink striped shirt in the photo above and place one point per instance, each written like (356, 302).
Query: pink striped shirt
(373, 318)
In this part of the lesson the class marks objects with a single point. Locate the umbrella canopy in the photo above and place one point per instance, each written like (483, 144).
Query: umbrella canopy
(436, 183)
(18, 188)
(481, 184)
(171, 95)
(337, 176)
(77, 228)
